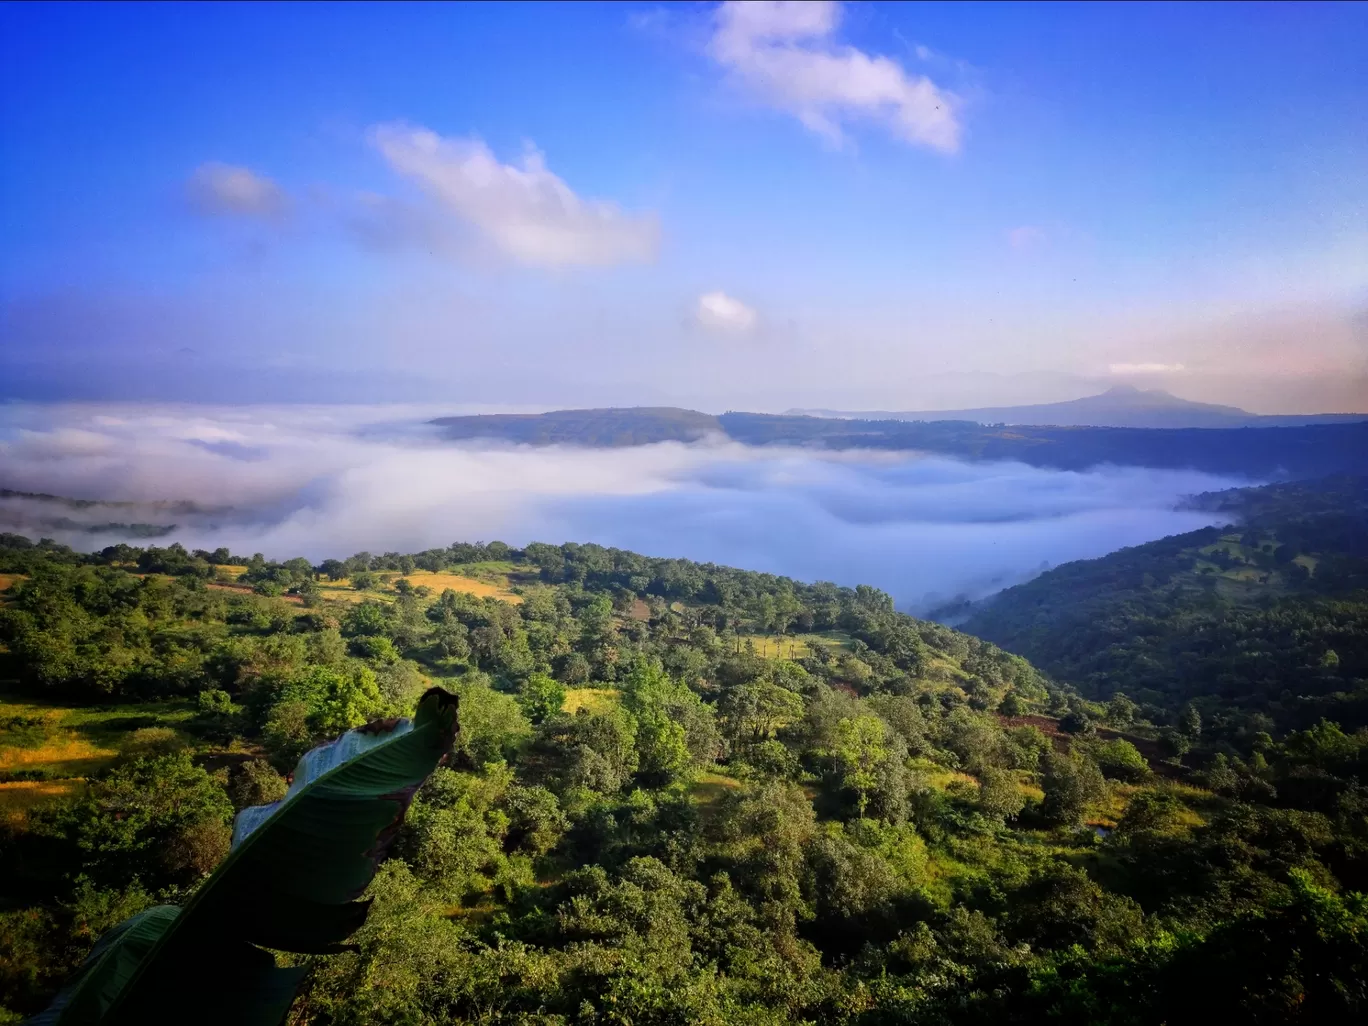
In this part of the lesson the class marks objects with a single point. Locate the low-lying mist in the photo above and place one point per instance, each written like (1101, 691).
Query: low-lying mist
(330, 481)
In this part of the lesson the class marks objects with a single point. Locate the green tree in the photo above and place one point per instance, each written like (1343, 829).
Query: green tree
(1071, 784)
(1121, 711)
(1190, 722)
(541, 697)
(999, 796)
(859, 746)
(163, 821)
(1120, 760)
(336, 699)
(254, 782)
(755, 710)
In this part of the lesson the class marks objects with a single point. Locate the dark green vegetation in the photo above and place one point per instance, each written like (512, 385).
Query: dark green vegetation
(899, 824)
(290, 882)
(1263, 626)
(1306, 451)
(636, 425)
(1119, 406)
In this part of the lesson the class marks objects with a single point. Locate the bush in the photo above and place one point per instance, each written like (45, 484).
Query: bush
(150, 742)
(1121, 760)
(255, 783)
(1071, 784)
(380, 649)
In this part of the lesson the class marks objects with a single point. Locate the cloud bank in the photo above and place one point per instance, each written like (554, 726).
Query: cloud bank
(330, 481)
(785, 54)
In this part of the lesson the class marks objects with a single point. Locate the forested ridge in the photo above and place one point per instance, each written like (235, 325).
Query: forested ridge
(1305, 451)
(682, 793)
(1262, 624)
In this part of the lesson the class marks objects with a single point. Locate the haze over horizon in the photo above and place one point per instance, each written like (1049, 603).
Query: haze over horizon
(762, 206)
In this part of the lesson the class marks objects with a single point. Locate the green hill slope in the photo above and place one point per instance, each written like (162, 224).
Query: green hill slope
(1268, 616)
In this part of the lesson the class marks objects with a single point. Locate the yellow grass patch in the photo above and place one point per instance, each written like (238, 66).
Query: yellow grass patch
(65, 755)
(793, 646)
(438, 582)
(707, 788)
(770, 646)
(19, 796)
(7, 580)
(596, 700)
(937, 776)
(68, 744)
(945, 668)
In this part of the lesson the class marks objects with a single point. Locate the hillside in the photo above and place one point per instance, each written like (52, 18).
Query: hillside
(1309, 451)
(682, 793)
(1265, 618)
(608, 428)
(1120, 406)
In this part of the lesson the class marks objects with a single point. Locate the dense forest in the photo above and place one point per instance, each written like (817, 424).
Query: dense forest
(1262, 626)
(684, 793)
(1298, 452)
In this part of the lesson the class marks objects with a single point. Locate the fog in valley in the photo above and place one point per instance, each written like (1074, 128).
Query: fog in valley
(329, 481)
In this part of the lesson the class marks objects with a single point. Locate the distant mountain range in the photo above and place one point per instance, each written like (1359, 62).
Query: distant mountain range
(1310, 450)
(1122, 406)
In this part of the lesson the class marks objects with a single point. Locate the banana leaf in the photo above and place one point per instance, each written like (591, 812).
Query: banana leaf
(290, 883)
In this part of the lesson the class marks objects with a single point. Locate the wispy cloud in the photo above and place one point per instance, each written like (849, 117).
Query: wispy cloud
(786, 54)
(720, 312)
(524, 211)
(226, 189)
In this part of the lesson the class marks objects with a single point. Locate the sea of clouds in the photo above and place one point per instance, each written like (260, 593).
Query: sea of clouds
(330, 481)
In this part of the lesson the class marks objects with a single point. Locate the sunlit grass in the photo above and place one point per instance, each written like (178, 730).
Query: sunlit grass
(595, 700)
(18, 797)
(61, 745)
(483, 586)
(794, 646)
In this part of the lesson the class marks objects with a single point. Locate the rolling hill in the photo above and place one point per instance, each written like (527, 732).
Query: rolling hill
(1313, 450)
(1121, 406)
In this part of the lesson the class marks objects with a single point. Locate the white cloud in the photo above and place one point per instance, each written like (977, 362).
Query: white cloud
(1145, 368)
(328, 481)
(786, 54)
(718, 311)
(226, 189)
(524, 211)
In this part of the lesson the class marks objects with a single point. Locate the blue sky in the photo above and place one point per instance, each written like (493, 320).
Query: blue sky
(843, 205)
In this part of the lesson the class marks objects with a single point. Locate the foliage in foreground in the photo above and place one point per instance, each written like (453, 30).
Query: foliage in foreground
(899, 824)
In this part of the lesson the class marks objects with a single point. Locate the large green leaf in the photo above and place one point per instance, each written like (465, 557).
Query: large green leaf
(107, 969)
(289, 883)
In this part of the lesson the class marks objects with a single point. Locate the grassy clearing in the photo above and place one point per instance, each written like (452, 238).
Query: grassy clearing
(483, 586)
(708, 788)
(794, 646)
(937, 776)
(771, 646)
(596, 700)
(7, 581)
(62, 745)
(17, 797)
(471, 585)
